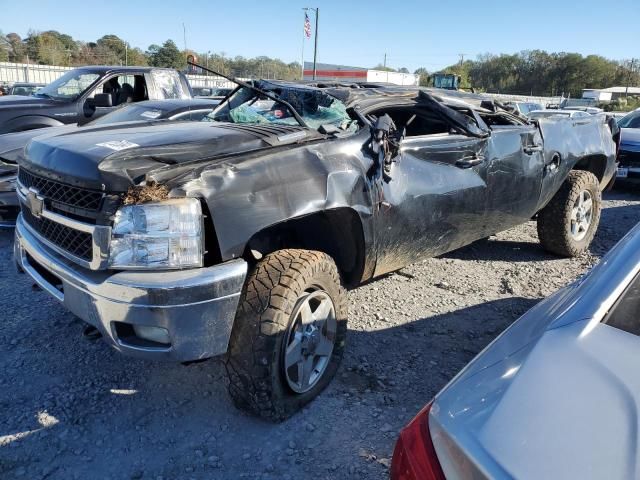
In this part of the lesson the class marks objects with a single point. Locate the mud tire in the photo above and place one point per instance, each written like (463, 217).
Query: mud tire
(254, 361)
(554, 220)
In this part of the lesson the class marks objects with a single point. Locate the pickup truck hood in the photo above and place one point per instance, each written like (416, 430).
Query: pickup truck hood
(114, 157)
(19, 101)
(12, 144)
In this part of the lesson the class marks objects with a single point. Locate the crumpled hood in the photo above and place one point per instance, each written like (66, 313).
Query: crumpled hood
(114, 157)
(630, 139)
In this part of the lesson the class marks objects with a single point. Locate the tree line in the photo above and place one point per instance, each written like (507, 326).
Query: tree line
(55, 48)
(539, 73)
(531, 72)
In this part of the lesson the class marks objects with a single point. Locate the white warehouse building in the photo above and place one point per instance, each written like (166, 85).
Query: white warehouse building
(326, 72)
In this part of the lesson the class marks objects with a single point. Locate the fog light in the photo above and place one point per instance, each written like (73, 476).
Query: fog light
(153, 334)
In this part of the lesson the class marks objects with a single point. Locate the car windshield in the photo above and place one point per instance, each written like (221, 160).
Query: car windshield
(69, 86)
(524, 108)
(314, 106)
(24, 90)
(631, 120)
(130, 113)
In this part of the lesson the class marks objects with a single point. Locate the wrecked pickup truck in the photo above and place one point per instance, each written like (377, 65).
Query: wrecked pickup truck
(238, 236)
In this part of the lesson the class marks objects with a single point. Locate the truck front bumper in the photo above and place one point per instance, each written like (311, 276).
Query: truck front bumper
(191, 311)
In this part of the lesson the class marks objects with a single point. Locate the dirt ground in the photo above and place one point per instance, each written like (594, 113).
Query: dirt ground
(71, 408)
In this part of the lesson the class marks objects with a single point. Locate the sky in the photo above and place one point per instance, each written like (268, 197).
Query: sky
(412, 33)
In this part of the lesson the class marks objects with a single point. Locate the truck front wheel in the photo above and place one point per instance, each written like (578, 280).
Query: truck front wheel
(289, 333)
(569, 222)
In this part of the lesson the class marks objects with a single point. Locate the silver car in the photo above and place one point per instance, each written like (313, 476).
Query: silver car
(554, 396)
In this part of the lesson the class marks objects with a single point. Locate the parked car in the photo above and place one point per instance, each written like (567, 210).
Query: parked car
(12, 144)
(589, 110)
(211, 92)
(524, 108)
(629, 152)
(24, 88)
(554, 396)
(86, 93)
(574, 114)
(238, 235)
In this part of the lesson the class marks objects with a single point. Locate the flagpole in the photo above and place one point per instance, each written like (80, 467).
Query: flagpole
(315, 47)
(304, 33)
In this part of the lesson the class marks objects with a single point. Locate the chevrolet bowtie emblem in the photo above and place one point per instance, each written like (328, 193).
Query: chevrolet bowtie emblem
(35, 202)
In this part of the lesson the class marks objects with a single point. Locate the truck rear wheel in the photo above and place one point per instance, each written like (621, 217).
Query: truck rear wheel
(567, 225)
(289, 333)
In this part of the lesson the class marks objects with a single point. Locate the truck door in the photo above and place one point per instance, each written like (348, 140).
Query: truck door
(514, 169)
(434, 197)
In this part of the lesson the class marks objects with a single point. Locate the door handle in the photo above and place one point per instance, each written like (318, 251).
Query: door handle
(530, 149)
(468, 162)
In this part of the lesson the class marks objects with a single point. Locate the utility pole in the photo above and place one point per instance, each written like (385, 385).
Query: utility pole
(626, 92)
(184, 36)
(384, 64)
(461, 58)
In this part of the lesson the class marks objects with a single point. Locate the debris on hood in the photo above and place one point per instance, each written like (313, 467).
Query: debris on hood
(146, 193)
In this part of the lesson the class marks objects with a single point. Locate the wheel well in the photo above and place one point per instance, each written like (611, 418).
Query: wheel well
(596, 164)
(337, 232)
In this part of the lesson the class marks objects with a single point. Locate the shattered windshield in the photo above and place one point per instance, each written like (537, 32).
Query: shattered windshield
(314, 106)
(69, 86)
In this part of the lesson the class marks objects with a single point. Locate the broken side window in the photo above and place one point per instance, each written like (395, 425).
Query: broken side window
(168, 84)
(416, 121)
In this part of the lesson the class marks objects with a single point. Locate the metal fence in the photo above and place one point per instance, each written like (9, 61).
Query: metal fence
(544, 101)
(24, 72)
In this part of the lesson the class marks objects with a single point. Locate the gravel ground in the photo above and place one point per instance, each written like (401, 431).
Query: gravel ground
(73, 408)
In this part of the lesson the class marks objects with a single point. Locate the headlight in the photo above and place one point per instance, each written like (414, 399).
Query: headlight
(157, 235)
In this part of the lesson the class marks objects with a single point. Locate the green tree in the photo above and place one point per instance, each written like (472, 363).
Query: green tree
(5, 47)
(383, 68)
(424, 76)
(17, 49)
(168, 55)
(50, 48)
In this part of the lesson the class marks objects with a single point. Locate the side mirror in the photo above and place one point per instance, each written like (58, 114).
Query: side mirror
(101, 100)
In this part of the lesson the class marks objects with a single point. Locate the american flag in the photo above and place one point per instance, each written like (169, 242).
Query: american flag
(307, 26)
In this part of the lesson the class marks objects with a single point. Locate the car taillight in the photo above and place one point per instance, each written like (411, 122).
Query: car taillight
(414, 457)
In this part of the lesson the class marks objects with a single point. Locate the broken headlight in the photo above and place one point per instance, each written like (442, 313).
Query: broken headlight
(162, 235)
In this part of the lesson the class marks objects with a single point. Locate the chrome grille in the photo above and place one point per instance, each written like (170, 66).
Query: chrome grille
(77, 243)
(60, 192)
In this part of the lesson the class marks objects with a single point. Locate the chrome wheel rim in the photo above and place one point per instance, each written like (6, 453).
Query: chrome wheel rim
(309, 341)
(581, 215)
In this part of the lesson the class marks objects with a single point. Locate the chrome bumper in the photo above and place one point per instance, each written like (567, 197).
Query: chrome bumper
(197, 307)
